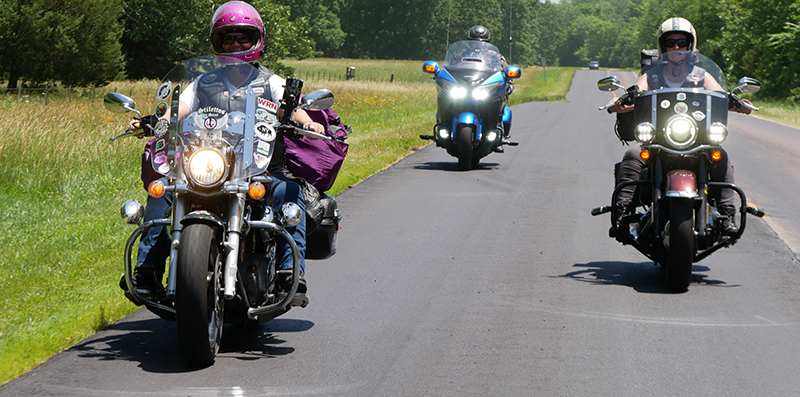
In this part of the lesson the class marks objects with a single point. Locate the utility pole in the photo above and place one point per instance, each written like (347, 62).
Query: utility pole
(510, 35)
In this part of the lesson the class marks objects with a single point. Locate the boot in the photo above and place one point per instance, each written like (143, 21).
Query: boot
(728, 223)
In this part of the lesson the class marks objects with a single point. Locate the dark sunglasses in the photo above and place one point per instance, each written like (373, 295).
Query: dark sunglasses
(229, 39)
(669, 43)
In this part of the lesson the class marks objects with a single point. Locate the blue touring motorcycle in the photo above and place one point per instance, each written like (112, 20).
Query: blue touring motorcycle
(472, 120)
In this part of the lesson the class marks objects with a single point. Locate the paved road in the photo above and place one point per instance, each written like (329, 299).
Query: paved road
(497, 281)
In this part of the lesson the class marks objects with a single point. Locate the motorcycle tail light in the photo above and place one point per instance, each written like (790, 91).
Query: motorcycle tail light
(156, 189)
(716, 155)
(644, 155)
(256, 190)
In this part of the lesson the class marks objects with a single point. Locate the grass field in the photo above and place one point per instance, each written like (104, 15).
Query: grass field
(62, 182)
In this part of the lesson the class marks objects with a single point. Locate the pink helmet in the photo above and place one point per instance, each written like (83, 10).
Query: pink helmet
(241, 17)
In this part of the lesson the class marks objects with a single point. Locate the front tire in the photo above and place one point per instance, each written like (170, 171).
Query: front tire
(465, 135)
(198, 300)
(681, 244)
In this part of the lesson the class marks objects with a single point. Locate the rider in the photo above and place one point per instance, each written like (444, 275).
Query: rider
(677, 39)
(237, 33)
(480, 34)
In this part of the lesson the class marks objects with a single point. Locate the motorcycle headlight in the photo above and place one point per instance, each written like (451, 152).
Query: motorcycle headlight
(645, 132)
(681, 131)
(480, 93)
(206, 167)
(717, 133)
(458, 92)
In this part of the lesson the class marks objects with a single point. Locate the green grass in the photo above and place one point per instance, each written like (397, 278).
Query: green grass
(783, 112)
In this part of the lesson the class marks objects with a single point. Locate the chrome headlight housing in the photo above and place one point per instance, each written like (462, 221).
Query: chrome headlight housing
(645, 132)
(681, 131)
(717, 133)
(206, 167)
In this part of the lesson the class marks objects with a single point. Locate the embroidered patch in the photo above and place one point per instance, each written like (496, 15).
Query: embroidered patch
(665, 104)
(699, 116)
(161, 128)
(681, 96)
(267, 104)
(160, 144)
(163, 91)
(264, 132)
(681, 108)
(161, 109)
(258, 90)
(209, 78)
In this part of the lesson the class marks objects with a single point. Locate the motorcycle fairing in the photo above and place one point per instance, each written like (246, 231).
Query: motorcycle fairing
(506, 115)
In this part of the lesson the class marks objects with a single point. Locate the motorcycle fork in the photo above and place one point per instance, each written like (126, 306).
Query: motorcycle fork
(232, 243)
(178, 212)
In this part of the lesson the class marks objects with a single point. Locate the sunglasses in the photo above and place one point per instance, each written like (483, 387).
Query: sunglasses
(229, 39)
(682, 43)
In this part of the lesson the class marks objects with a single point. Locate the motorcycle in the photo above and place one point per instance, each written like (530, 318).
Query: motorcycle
(680, 131)
(472, 120)
(222, 265)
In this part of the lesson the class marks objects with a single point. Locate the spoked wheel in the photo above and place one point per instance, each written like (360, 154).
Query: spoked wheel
(198, 302)
(681, 244)
(465, 135)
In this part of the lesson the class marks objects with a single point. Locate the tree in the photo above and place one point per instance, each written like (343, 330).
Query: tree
(325, 28)
(156, 36)
(75, 42)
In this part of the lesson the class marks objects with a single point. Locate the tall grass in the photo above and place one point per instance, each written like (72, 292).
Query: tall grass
(62, 182)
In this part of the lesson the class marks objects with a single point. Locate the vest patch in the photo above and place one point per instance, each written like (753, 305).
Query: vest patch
(267, 104)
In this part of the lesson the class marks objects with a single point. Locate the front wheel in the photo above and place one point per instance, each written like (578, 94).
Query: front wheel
(681, 244)
(465, 135)
(198, 301)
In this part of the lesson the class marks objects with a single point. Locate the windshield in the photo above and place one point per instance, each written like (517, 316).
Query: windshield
(225, 112)
(473, 55)
(685, 69)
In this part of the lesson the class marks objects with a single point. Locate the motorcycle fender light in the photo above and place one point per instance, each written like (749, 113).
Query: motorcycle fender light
(256, 190)
(443, 133)
(645, 132)
(716, 155)
(644, 155)
(156, 189)
(492, 136)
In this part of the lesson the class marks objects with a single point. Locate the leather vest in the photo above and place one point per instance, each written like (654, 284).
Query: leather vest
(656, 78)
(213, 91)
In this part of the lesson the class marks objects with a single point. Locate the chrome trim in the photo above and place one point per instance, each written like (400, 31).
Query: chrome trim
(235, 220)
(678, 152)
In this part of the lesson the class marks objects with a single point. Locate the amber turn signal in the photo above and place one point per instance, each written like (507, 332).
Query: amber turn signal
(644, 155)
(716, 155)
(430, 68)
(256, 190)
(156, 189)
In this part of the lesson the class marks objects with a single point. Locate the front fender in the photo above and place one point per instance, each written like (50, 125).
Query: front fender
(681, 184)
(466, 118)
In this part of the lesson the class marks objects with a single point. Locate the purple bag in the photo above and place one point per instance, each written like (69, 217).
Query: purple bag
(315, 160)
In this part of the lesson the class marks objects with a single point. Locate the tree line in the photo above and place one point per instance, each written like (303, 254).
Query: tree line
(80, 42)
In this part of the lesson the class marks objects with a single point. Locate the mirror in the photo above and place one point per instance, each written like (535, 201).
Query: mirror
(610, 83)
(430, 67)
(749, 85)
(118, 103)
(318, 100)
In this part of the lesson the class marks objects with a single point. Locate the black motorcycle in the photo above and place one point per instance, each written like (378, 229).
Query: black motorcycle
(472, 120)
(680, 131)
(222, 265)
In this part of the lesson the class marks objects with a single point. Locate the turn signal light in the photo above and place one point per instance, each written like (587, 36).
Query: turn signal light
(430, 68)
(156, 189)
(256, 190)
(644, 155)
(716, 155)
(513, 73)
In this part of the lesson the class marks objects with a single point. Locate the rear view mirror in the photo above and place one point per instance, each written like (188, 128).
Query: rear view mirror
(610, 83)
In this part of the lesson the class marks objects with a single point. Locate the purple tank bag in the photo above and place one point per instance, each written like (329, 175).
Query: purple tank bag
(316, 160)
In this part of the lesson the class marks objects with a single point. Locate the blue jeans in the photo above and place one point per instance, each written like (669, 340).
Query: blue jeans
(154, 245)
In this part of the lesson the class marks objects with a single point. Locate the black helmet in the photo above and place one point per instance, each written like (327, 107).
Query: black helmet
(479, 33)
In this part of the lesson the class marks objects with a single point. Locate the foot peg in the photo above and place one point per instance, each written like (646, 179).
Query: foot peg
(428, 137)
(299, 300)
(755, 212)
(601, 210)
(509, 143)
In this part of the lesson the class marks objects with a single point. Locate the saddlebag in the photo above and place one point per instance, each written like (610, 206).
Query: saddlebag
(625, 126)
(321, 241)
